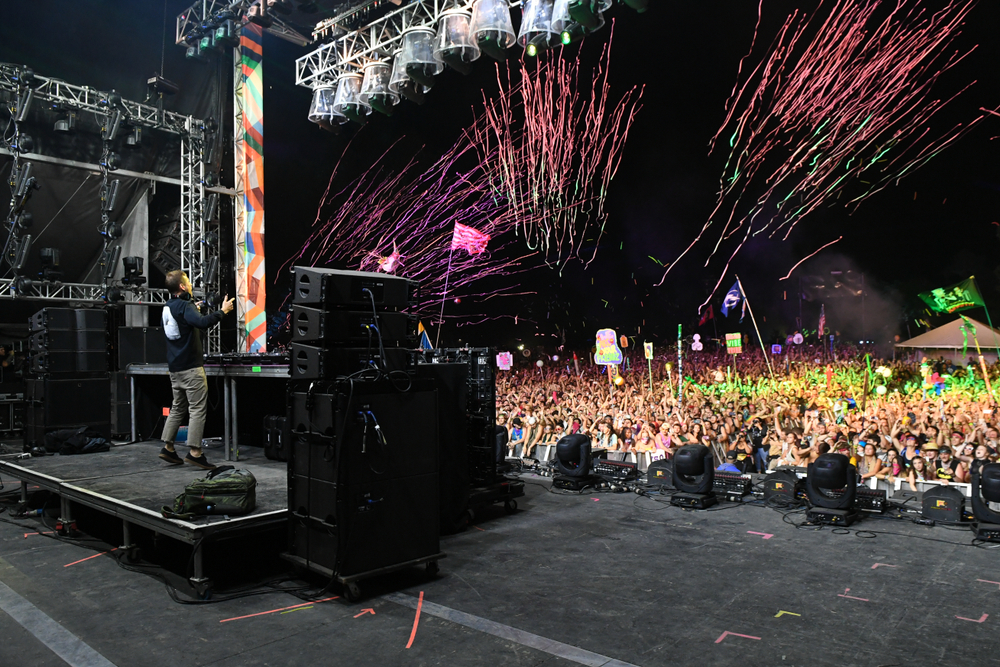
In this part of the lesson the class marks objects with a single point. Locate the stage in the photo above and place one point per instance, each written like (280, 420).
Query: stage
(593, 579)
(131, 483)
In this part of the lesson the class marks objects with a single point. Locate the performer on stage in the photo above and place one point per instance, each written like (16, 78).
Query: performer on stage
(186, 362)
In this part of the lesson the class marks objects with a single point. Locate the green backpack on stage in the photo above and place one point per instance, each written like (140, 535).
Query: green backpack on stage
(225, 490)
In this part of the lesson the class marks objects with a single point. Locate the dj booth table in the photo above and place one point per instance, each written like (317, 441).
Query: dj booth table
(230, 374)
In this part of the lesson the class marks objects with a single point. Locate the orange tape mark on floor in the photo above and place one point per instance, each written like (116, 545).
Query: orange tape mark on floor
(272, 611)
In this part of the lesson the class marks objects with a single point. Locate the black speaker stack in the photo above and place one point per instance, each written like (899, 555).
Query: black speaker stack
(362, 435)
(70, 385)
(466, 380)
(136, 345)
(344, 322)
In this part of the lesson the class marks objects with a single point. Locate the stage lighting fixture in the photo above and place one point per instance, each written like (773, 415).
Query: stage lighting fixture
(566, 26)
(134, 136)
(111, 161)
(207, 43)
(321, 110)
(417, 56)
(588, 13)
(109, 261)
(492, 27)
(21, 253)
(536, 26)
(109, 196)
(210, 126)
(23, 285)
(986, 489)
(157, 85)
(112, 123)
(453, 44)
(211, 270)
(258, 15)
(23, 143)
(211, 239)
(24, 181)
(112, 231)
(832, 486)
(194, 53)
(211, 203)
(25, 78)
(348, 98)
(400, 83)
(227, 34)
(66, 123)
(50, 264)
(133, 271)
(114, 295)
(573, 462)
(24, 220)
(211, 179)
(24, 105)
(375, 90)
(693, 477)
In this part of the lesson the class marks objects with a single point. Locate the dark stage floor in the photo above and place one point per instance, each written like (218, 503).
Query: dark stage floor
(592, 579)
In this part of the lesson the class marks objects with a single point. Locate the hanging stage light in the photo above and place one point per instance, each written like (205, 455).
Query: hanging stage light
(568, 27)
(831, 486)
(112, 123)
(321, 109)
(211, 205)
(588, 13)
(50, 264)
(24, 220)
(66, 123)
(21, 254)
(418, 56)
(492, 27)
(454, 45)
(693, 477)
(347, 101)
(133, 271)
(375, 91)
(536, 32)
(109, 196)
(24, 105)
(111, 161)
(109, 261)
(404, 85)
(114, 295)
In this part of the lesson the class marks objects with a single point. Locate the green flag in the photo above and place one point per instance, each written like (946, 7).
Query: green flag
(961, 296)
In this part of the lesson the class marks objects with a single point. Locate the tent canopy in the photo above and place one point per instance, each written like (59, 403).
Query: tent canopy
(949, 337)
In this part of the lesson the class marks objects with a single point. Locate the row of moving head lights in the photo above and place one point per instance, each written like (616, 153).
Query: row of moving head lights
(460, 39)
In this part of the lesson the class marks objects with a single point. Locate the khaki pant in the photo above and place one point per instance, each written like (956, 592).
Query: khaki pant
(190, 400)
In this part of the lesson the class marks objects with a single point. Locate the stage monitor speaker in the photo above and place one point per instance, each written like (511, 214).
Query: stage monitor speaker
(70, 340)
(943, 503)
(784, 486)
(351, 326)
(141, 345)
(68, 319)
(309, 362)
(660, 473)
(333, 287)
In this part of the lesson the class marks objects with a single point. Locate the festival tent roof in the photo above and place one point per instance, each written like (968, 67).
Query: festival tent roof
(949, 336)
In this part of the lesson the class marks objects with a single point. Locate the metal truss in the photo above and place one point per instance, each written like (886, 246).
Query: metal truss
(204, 15)
(80, 292)
(378, 40)
(84, 98)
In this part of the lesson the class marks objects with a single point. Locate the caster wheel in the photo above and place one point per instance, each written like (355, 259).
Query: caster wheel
(352, 592)
(133, 555)
(510, 506)
(432, 568)
(205, 594)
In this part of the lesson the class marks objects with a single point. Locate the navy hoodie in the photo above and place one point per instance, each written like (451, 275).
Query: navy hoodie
(181, 321)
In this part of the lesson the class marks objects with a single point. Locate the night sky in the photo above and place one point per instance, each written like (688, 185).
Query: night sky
(934, 229)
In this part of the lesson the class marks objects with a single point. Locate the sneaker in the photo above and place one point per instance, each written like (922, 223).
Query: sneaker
(199, 461)
(171, 457)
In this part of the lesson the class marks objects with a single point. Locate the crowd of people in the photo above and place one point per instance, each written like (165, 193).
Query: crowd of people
(916, 420)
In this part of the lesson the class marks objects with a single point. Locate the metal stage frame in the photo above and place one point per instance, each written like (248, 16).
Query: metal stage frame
(194, 228)
(195, 535)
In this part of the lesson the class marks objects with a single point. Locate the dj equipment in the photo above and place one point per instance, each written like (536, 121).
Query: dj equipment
(352, 326)
(276, 438)
(575, 483)
(363, 477)
(619, 471)
(317, 363)
(351, 288)
(943, 503)
(831, 516)
(732, 485)
(872, 500)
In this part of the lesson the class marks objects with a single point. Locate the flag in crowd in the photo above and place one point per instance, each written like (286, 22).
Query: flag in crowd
(822, 320)
(733, 298)
(960, 296)
(467, 238)
(708, 315)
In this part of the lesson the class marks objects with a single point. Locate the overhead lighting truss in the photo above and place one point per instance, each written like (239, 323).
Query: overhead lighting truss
(79, 292)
